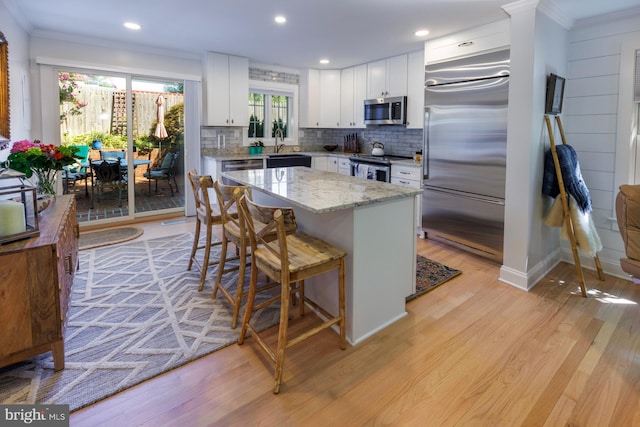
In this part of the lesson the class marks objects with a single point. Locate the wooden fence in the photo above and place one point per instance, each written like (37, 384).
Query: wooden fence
(101, 115)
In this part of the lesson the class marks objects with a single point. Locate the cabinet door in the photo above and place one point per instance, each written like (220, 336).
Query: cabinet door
(310, 98)
(329, 98)
(332, 164)
(347, 111)
(415, 90)
(319, 162)
(359, 94)
(238, 91)
(227, 90)
(376, 79)
(217, 81)
(344, 166)
(396, 76)
(353, 92)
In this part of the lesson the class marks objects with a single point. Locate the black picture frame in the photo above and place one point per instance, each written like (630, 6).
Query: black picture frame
(555, 94)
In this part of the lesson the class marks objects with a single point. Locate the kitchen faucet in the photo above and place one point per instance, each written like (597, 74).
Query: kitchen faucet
(277, 147)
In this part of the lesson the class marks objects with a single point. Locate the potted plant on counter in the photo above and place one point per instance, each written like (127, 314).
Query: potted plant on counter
(256, 147)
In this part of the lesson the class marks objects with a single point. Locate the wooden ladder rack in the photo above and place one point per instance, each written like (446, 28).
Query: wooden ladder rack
(565, 207)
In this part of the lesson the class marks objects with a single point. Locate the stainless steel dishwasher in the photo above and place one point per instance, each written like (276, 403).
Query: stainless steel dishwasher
(241, 164)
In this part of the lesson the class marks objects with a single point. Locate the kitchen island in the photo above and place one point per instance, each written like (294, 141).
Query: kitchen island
(372, 221)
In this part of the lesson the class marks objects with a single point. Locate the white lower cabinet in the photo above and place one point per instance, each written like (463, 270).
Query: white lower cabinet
(332, 164)
(319, 162)
(344, 166)
(409, 176)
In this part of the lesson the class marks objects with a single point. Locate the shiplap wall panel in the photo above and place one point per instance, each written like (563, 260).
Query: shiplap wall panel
(599, 143)
(611, 27)
(600, 199)
(600, 66)
(599, 104)
(591, 48)
(590, 124)
(592, 86)
(592, 161)
(598, 180)
(590, 116)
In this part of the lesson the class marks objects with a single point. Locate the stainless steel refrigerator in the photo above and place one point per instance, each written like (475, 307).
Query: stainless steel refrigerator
(464, 153)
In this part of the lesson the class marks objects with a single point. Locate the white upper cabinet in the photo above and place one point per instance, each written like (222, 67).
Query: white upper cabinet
(309, 98)
(320, 98)
(415, 90)
(387, 77)
(469, 42)
(329, 98)
(227, 90)
(353, 92)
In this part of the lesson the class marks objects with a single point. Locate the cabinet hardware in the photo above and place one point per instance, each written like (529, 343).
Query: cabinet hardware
(68, 264)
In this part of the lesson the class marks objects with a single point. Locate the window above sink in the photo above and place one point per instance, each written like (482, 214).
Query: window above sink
(272, 106)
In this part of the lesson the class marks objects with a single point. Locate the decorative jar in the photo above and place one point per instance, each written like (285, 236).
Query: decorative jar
(18, 213)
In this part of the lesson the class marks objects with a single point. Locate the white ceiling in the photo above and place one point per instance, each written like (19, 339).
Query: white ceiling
(348, 32)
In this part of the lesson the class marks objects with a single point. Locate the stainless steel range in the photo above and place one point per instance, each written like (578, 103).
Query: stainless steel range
(373, 167)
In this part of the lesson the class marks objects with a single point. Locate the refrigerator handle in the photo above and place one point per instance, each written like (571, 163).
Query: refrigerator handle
(425, 144)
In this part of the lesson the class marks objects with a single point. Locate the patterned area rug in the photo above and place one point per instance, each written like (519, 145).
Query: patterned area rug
(111, 236)
(135, 313)
(429, 275)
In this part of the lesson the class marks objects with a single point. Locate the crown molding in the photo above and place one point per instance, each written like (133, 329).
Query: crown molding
(553, 11)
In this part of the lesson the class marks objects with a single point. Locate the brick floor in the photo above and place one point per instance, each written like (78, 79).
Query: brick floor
(107, 207)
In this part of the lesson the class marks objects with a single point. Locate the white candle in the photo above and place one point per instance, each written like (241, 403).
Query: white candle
(11, 218)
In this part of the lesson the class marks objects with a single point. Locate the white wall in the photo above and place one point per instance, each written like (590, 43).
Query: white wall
(538, 46)
(18, 71)
(596, 116)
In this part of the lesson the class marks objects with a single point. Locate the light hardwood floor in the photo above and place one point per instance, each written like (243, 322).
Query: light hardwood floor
(474, 351)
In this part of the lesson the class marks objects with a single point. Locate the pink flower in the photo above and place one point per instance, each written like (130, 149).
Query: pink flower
(22, 146)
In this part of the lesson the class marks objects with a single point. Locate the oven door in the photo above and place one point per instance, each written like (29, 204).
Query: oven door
(370, 171)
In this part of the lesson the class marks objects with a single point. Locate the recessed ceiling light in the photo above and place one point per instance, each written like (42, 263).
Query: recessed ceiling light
(280, 19)
(324, 61)
(132, 25)
(421, 33)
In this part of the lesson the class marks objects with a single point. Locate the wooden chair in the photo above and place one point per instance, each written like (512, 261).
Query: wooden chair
(206, 214)
(234, 230)
(289, 260)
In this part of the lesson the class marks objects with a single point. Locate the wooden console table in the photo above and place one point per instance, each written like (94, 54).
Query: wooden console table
(36, 276)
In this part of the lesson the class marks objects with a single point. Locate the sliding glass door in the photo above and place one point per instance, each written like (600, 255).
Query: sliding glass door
(137, 123)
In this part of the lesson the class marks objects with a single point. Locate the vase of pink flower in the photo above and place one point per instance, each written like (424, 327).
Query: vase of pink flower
(42, 160)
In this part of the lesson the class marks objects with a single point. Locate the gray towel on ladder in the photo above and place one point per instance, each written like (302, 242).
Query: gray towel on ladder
(571, 175)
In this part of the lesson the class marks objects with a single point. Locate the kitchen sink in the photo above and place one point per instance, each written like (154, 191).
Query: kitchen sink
(288, 159)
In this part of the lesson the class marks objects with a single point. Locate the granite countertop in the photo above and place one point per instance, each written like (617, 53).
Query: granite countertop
(319, 191)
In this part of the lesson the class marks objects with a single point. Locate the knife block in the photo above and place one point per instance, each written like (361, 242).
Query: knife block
(351, 146)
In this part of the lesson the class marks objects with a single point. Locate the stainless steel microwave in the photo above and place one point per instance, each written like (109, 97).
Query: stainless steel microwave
(386, 111)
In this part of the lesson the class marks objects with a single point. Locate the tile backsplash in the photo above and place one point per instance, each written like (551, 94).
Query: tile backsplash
(397, 140)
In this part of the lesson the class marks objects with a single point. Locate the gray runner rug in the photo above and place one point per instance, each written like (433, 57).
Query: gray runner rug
(135, 313)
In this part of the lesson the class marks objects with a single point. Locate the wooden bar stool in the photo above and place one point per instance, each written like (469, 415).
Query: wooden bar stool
(206, 214)
(234, 230)
(289, 260)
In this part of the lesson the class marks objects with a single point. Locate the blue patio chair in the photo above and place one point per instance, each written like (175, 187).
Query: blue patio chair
(166, 171)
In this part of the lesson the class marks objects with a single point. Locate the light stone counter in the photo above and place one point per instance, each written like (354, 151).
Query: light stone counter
(319, 191)
(372, 221)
